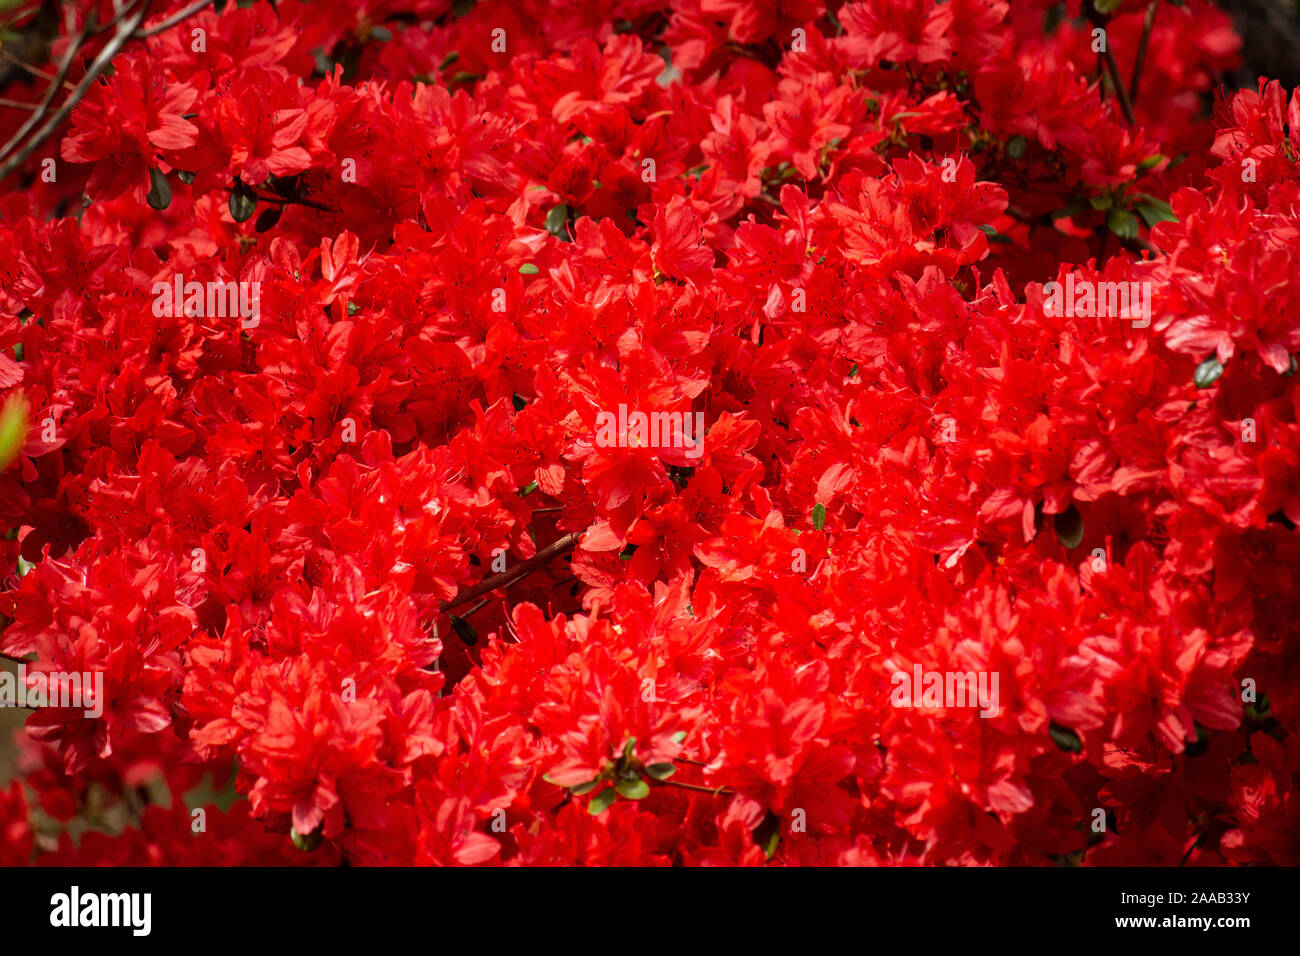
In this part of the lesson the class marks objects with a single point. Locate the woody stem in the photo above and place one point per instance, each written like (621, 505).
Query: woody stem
(511, 575)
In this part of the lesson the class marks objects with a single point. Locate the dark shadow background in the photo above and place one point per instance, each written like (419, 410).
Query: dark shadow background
(1270, 33)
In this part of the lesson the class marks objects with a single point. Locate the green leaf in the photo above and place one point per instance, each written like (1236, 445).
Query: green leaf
(661, 771)
(1107, 6)
(557, 221)
(1152, 214)
(601, 801)
(1122, 222)
(186, 177)
(1016, 146)
(633, 789)
(13, 429)
(1151, 162)
(529, 269)
(448, 60)
(1101, 203)
(1291, 369)
(679, 736)
(819, 516)
(529, 488)
(464, 630)
(584, 788)
(1065, 738)
(24, 566)
(1153, 209)
(306, 842)
(269, 217)
(1207, 373)
(1072, 208)
(1069, 527)
(160, 191)
(243, 203)
(768, 834)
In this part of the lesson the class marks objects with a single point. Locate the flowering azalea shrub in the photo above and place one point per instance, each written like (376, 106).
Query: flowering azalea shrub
(693, 432)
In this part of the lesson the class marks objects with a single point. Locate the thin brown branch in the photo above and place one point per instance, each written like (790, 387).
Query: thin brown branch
(111, 49)
(511, 575)
(74, 48)
(1121, 92)
(716, 791)
(1147, 24)
(19, 104)
(34, 71)
(174, 19)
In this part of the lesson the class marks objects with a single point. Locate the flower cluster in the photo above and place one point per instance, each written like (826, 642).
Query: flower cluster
(417, 555)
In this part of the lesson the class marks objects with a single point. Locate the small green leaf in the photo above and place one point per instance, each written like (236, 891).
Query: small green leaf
(1069, 527)
(13, 429)
(306, 842)
(1122, 222)
(186, 177)
(584, 788)
(243, 203)
(601, 801)
(679, 736)
(1070, 209)
(767, 835)
(633, 789)
(529, 269)
(1107, 6)
(1016, 146)
(1065, 738)
(269, 217)
(529, 488)
(819, 516)
(661, 771)
(1151, 162)
(24, 566)
(160, 191)
(1101, 203)
(1153, 214)
(448, 60)
(557, 221)
(464, 630)
(1207, 373)
(1291, 369)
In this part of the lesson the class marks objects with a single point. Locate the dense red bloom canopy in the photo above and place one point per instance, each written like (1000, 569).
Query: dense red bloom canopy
(692, 432)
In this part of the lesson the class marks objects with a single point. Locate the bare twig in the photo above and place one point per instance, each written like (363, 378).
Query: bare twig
(18, 104)
(111, 49)
(27, 67)
(511, 575)
(1121, 92)
(171, 21)
(1147, 24)
(69, 58)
